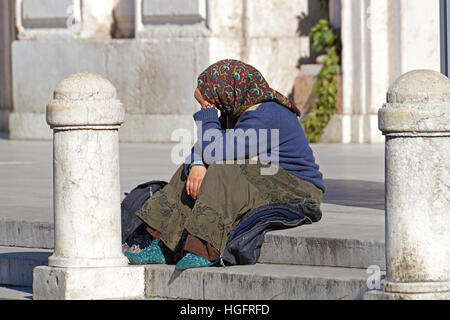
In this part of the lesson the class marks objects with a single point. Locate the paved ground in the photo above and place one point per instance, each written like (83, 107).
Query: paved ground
(15, 293)
(354, 174)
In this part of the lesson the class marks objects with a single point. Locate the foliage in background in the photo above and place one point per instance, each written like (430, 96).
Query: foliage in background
(323, 37)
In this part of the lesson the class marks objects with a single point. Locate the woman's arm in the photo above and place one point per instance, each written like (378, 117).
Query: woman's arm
(250, 137)
(195, 169)
(195, 157)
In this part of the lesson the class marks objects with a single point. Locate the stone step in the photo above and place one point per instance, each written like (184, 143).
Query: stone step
(250, 282)
(17, 264)
(256, 282)
(345, 237)
(26, 233)
(16, 293)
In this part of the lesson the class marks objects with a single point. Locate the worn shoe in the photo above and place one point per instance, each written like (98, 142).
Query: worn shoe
(191, 260)
(149, 255)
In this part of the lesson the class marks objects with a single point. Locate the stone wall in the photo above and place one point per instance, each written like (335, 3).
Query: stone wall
(151, 50)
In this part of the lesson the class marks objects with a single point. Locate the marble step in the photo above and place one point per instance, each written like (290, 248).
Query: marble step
(26, 233)
(17, 264)
(252, 282)
(345, 237)
(256, 282)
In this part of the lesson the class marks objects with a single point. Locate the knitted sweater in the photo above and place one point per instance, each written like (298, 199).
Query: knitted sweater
(272, 132)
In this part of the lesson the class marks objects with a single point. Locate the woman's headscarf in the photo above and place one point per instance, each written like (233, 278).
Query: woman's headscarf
(234, 86)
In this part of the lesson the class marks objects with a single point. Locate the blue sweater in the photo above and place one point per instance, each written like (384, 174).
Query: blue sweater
(247, 140)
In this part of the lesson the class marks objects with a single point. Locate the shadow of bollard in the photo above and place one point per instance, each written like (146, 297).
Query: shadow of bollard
(355, 193)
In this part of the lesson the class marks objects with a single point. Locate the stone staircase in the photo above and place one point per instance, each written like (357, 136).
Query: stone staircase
(326, 260)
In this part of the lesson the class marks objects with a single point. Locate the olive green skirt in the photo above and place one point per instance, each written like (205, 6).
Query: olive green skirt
(227, 193)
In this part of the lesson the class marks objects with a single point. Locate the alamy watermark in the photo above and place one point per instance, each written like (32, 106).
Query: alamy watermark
(233, 146)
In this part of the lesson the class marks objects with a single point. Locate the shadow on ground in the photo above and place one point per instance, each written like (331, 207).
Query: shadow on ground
(40, 257)
(355, 193)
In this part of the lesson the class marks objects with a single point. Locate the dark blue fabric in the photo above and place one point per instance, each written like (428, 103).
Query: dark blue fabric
(245, 241)
(261, 216)
(295, 154)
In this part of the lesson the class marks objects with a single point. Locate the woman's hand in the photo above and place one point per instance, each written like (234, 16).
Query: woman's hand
(205, 104)
(194, 180)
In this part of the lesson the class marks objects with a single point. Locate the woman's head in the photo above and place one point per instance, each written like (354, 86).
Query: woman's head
(233, 86)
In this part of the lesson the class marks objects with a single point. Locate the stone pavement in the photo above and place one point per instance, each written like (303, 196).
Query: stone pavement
(353, 207)
(15, 293)
(354, 174)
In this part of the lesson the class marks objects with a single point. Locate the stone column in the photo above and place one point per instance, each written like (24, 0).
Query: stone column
(378, 37)
(416, 123)
(87, 261)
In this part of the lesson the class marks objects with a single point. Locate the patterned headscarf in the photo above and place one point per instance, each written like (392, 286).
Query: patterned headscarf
(234, 86)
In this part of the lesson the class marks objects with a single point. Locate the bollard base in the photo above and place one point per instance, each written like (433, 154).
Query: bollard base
(55, 283)
(383, 295)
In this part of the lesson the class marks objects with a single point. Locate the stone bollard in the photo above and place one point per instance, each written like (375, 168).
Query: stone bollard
(87, 262)
(416, 123)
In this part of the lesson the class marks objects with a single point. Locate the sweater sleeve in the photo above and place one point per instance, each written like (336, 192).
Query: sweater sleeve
(195, 154)
(250, 137)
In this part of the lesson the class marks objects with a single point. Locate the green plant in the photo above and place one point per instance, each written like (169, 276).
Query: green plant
(323, 37)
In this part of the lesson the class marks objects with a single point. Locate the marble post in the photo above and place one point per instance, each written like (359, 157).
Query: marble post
(416, 123)
(87, 262)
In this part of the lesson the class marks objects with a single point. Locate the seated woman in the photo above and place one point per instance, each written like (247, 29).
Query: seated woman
(193, 216)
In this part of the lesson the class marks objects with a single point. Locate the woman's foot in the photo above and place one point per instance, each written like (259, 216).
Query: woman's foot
(191, 260)
(149, 255)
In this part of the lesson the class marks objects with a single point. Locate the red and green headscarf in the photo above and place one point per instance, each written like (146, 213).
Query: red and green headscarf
(234, 86)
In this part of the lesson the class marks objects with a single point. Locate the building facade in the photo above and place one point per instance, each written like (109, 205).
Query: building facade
(153, 50)
(381, 40)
